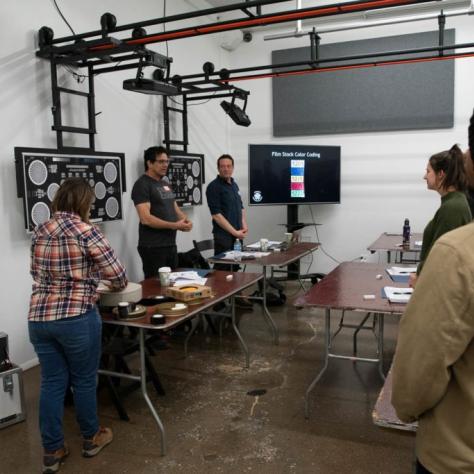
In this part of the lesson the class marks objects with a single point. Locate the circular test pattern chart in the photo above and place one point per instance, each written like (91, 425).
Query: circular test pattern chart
(38, 172)
(100, 190)
(196, 168)
(40, 213)
(110, 172)
(112, 207)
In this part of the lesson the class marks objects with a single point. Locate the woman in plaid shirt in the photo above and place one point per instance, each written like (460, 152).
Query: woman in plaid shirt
(68, 258)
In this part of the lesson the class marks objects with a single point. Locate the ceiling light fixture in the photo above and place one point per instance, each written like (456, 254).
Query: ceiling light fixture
(236, 113)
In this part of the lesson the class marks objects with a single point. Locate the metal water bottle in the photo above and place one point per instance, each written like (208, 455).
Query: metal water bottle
(406, 232)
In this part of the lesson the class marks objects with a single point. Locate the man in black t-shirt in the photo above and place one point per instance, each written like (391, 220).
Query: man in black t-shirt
(160, 217)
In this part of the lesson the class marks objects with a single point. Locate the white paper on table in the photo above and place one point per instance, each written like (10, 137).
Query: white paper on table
(270, 243)
(395, 271)
(418, 243)
(398, 295)
(186, 278)
(230, 255)
(258, 254)
(185, 282)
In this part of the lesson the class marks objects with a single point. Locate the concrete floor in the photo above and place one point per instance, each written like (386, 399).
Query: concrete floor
(214, 426)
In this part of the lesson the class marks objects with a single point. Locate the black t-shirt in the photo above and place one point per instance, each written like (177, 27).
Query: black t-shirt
(161, 198)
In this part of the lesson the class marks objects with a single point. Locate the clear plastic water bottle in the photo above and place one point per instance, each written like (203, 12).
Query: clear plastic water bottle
(237, 250)
(406, 232)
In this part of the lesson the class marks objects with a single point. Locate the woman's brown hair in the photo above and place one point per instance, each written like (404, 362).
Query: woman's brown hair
(74, 195)
(452, 163)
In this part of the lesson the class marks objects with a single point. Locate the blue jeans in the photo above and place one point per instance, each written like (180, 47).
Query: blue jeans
(69, 352)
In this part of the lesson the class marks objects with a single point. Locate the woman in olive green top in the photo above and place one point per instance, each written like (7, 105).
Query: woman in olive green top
(445, 174)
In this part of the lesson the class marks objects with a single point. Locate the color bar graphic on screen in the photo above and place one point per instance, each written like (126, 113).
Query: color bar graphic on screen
(297, 179)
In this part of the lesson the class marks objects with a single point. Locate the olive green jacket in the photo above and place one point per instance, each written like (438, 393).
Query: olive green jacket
(433, 371)
(453, 213)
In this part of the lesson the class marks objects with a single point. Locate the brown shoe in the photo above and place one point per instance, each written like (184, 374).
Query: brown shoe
(93, 446)
(52, 461)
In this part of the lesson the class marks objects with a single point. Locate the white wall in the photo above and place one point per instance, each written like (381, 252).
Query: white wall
(129, 123)
(381, 175)
(381, 172)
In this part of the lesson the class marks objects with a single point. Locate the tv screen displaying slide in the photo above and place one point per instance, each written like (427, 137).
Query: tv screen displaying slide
(294, 174)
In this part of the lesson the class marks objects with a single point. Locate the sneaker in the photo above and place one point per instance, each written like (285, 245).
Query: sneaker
(93, 446)
(52, 461)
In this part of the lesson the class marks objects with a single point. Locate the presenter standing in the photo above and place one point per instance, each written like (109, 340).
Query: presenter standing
(229, 221)
(160, 217)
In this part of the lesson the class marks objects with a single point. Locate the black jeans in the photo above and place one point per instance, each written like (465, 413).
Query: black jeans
(224, 243)
(156, 257)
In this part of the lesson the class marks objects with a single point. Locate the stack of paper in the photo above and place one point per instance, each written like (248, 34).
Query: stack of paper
(270, 244)
(231, 255)
(398, 295)
(186, 278)
(396, 271)
(400, 274)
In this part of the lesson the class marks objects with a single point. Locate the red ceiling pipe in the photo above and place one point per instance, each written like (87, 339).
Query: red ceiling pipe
(262, 20)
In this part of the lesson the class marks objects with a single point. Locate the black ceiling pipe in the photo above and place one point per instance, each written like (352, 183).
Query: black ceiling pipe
(308, 61)
(169, 19)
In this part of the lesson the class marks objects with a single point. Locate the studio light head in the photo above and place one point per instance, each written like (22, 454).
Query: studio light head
(236, 113)
(159, 84)
(150, 86)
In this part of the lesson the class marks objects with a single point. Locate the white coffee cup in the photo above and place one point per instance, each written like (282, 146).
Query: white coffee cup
(288, 237)
(164, 273)
(263, 245)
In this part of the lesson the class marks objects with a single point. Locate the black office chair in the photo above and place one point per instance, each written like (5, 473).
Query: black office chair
(204, 245)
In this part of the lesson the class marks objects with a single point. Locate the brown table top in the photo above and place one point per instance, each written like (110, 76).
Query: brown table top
(216, 280)
(384, 414)
(393, 242)
(345, 286)
(278, 259)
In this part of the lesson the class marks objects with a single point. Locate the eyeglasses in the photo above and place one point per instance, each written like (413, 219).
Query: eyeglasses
(163, 162)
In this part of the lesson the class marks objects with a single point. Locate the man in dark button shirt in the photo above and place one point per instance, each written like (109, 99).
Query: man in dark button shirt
(160, 217)
(229, 221)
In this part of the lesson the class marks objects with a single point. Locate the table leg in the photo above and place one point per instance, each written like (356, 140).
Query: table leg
(380, 345)
(327, 343)
(356, 333)
(144, 390)
(241, 339)
(389, 256)
(265, 311)
(188, 336)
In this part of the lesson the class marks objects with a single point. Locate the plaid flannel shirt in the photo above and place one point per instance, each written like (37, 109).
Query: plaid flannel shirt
(68, 258)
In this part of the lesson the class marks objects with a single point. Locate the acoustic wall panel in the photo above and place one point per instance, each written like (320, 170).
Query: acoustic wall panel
(399, 97)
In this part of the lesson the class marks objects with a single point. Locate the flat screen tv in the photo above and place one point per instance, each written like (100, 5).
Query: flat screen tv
(294, 174)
